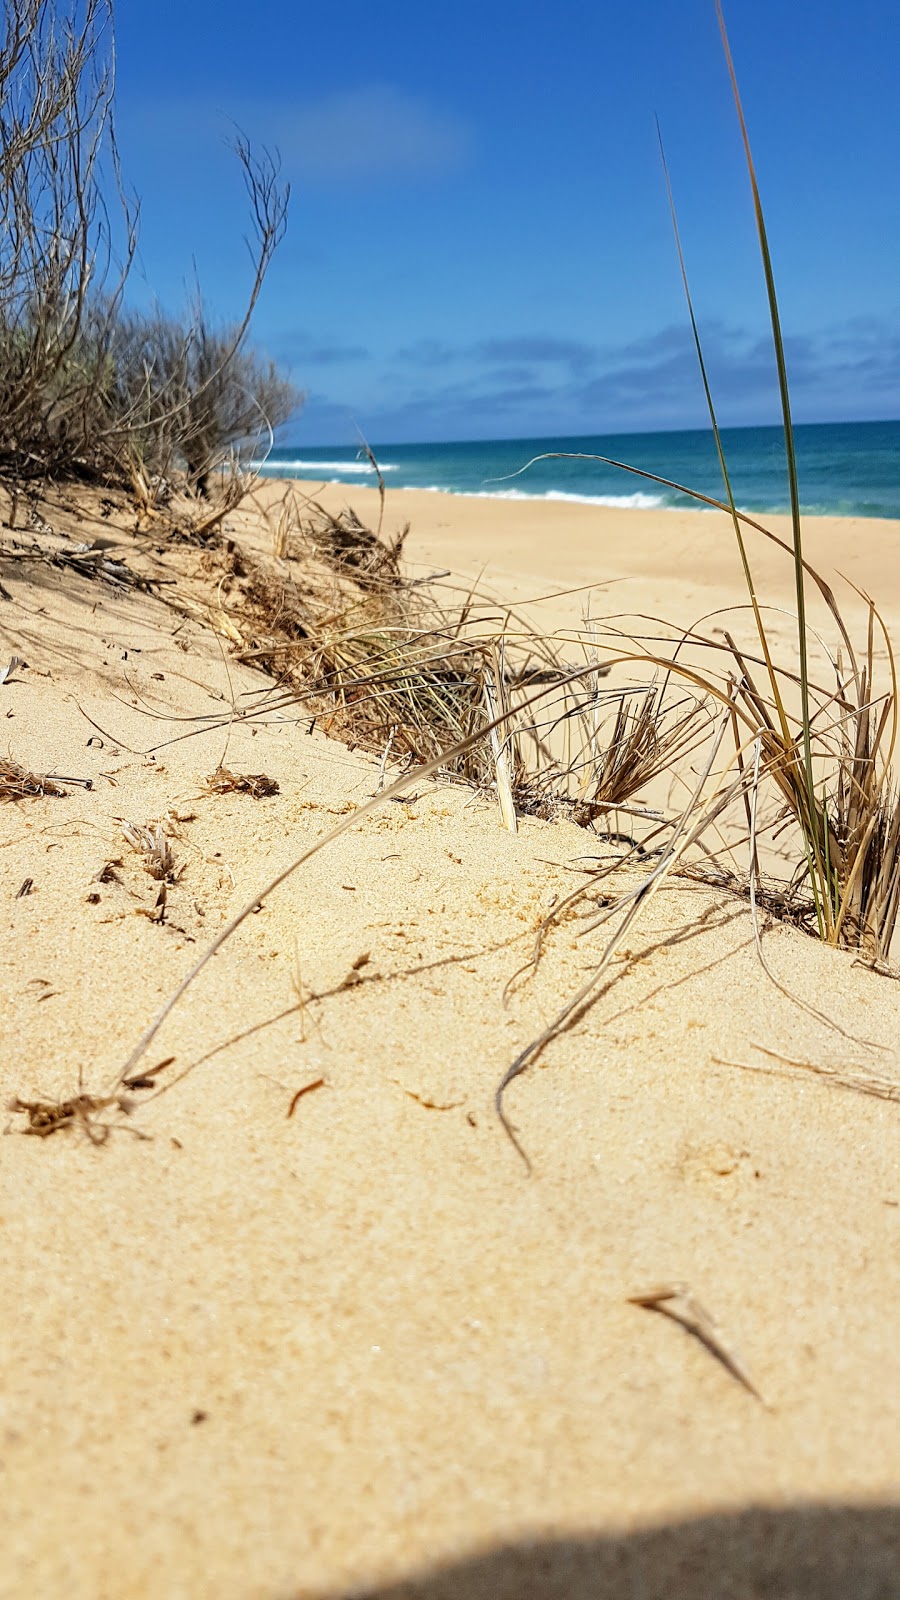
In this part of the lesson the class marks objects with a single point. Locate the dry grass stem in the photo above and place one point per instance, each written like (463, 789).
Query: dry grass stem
(495, 710)
(697, 816)
(859, 1081)
(308, 1088)
(676, 1301)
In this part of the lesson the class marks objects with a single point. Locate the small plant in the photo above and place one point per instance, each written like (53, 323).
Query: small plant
(832, 764)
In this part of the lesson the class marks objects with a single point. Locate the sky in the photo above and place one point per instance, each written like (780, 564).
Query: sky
(479, 242)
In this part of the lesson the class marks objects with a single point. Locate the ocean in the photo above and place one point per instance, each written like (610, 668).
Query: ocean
(845, 468)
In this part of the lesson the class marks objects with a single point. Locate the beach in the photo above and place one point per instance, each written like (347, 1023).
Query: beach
(303, 1325)
(672, 564)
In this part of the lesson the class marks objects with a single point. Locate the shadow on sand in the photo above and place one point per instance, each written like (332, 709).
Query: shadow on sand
(822, 1552)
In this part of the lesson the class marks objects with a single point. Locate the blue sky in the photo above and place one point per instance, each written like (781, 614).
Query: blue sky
(479, 242)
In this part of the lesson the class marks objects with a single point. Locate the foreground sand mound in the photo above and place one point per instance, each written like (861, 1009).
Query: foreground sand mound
(266, 1342)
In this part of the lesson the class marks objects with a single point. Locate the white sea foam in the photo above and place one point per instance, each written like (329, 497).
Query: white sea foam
(622, 502)
(638, 501)
(320, 467)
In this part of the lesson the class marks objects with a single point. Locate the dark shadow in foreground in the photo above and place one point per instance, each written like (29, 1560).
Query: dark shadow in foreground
(821, 1552)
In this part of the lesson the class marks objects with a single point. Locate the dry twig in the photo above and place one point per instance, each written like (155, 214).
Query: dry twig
(676, 1302)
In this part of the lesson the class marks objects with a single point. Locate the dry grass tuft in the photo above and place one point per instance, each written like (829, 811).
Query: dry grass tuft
(623, 742)
(375, 657)
(150, 842)
(17, 783)
(407, 669)
(349, 547)
(257, 784)
(46, 1117)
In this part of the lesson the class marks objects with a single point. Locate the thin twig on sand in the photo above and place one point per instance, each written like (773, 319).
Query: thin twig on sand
(676, 1301)
(862, 1082)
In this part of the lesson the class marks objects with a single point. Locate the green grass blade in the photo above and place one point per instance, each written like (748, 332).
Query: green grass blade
(720, 450)
(816, 840)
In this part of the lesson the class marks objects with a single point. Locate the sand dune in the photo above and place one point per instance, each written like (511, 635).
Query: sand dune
(351, 1348)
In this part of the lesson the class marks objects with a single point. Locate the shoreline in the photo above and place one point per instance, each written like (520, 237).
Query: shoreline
(610, 502)
(845, 469)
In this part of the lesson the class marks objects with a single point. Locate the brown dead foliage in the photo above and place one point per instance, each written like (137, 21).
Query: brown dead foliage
(17, 783)
(257, 784)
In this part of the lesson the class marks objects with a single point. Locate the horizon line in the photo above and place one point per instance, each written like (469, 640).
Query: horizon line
(628, 433)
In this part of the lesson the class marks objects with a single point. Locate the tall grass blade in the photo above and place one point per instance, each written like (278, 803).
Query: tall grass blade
(816, 835)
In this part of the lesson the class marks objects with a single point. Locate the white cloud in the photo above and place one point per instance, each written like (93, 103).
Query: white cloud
(373, 132)
(355, 135)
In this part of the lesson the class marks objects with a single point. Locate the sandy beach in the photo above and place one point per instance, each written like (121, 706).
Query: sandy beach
(269, 1345)
(674, 564)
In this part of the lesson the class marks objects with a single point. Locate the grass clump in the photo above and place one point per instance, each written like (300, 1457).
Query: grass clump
(842, 799)
(18, 783)
(410, 670)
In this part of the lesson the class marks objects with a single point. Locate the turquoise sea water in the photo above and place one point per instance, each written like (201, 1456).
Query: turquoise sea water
(847, 468)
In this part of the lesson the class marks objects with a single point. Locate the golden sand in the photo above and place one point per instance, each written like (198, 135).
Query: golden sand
(355, 1349)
